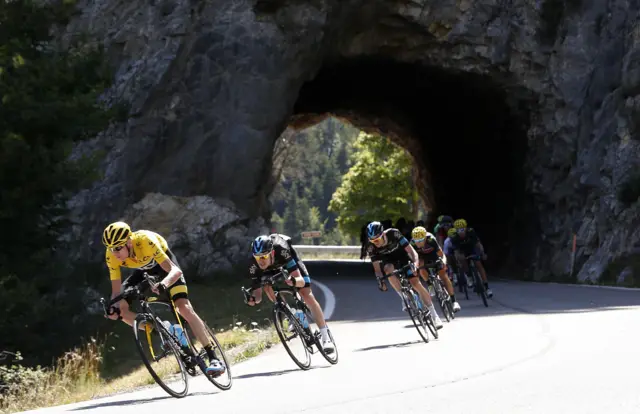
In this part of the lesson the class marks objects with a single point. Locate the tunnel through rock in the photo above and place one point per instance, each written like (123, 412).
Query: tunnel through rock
(468, 144)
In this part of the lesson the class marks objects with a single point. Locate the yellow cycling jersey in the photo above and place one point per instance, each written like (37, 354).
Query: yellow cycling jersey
(149, 249)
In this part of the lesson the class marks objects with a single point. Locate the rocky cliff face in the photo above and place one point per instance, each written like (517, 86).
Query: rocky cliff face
(522, 115)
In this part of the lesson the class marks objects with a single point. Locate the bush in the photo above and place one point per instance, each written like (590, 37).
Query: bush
(23, 388)
(51, 99)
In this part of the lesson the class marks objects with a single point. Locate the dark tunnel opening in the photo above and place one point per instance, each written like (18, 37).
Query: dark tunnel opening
(469, 140)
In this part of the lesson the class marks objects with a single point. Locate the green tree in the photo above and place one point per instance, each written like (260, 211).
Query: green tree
(377, 186)
(49, 101)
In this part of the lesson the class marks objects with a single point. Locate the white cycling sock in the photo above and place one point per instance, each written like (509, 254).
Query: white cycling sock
(432, 309)
(324, 333)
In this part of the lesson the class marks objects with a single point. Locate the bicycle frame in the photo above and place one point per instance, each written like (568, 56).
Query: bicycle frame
(401, 275)
(136, 292)
(271, 280)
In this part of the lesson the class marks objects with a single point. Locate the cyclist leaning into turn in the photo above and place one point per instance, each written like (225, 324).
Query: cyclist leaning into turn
(388, 250)
(431, 256)
(465, 243)
(146, 251)
(269, 254)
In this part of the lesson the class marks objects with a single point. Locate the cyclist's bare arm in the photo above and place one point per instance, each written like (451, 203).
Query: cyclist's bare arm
(377, 269)
(412, 253)
(173, 272)
(297, 276)
(257, 297)
(116, 287)
(481, 248)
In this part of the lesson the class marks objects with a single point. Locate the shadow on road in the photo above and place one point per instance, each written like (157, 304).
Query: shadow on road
(387, 346)
(275, 373)
(133, 402)
(360, 300)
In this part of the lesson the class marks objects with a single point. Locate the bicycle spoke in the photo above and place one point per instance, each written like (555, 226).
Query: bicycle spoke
(161, 355)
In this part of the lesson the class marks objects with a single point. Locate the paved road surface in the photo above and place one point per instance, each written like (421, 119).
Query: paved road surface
(538, 348)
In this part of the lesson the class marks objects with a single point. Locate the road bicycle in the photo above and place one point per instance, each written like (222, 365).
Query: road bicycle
(295, 324)
(169, 353)
(419, 313)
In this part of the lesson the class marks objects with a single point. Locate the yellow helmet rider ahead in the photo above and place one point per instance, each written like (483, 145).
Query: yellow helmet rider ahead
(460, 224)
(418, 233)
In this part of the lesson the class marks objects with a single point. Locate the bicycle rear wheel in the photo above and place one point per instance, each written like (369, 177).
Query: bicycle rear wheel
(224, 380)
(332, 357)
(415, 314)
(283, 319)
(161, 355)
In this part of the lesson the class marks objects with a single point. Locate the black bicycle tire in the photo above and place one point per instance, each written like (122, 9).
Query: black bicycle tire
(147, 363)
(482, 292)
(430, 323)
(465, 286)
(318, 337)
(218, 346)
(412, 306)
(441, 301)
(332, 361)
(448, 303)
(298, 328)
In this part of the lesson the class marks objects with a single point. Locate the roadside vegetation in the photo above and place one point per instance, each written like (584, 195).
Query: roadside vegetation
(111, 364)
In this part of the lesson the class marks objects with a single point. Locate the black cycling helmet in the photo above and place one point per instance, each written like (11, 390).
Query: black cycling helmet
(374, 229)
(445, 219)
(262, 245)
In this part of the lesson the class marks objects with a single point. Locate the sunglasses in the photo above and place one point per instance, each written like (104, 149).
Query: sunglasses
(117, 249)
(262, 256)
(419, 240)
(376, 239)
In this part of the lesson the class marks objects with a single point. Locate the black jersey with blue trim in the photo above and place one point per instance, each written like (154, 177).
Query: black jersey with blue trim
(396, 243)
(284, 256)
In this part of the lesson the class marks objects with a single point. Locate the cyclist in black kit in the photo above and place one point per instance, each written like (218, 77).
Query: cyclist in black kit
(390, 250)
(269, 254)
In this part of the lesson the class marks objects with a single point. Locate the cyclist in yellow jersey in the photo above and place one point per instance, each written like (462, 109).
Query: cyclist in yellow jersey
(146, 251)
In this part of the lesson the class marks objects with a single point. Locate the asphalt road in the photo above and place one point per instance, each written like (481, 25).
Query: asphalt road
(538, 348)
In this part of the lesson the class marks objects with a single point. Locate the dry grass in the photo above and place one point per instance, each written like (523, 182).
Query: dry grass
(76, 376)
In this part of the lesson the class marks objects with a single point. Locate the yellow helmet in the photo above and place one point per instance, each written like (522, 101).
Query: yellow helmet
(451, 232)
(418, 233)
(116, 234)
(460, 224)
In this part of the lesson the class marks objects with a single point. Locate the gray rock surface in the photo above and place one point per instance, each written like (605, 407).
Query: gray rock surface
(212, 85)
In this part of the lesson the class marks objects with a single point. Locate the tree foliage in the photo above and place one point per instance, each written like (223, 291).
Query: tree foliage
(308, 166)
(49, 101)
(377, 186)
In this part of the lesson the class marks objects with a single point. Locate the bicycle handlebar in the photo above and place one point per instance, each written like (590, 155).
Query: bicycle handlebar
(134, 291)
(266, 280)
(396, 272)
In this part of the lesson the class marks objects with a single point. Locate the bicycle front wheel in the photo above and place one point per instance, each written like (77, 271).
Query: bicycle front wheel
(443, 299)
(161, 355)
(415, 314)
(291, 333)
(446, 303)
(480, 289)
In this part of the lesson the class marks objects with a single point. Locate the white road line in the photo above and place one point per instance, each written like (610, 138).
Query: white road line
(329, 297)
